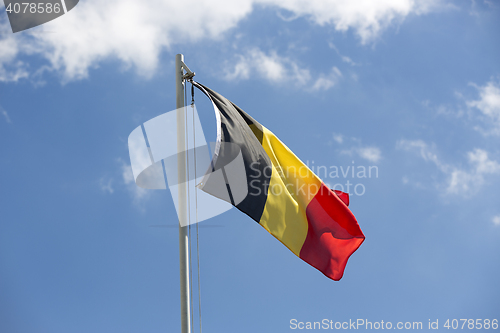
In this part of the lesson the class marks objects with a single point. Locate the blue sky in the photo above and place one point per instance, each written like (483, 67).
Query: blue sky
(409, 87)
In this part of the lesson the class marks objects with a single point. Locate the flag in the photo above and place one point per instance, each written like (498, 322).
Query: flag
(284, 196)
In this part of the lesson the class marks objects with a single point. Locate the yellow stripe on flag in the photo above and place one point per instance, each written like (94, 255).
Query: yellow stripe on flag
(291, 188)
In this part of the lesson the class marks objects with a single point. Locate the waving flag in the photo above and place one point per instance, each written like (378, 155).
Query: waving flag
(284, 195)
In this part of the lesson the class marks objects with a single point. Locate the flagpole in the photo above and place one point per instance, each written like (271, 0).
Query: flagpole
(181, 174)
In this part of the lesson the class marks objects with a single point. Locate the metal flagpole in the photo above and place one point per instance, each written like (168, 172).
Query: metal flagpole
(180, 66)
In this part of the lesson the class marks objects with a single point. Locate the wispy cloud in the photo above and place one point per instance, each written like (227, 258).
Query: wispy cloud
(367, 18)
(478, 7)
(271, 66)
(488, 104)
(11, 68)
(5, 115)
(138, 193)
(458, 180)
(463, 181)
(426, 153)
(481, 112)
(339, 138)
(105, 184)
(135, 34)
(325, 82)
(489, 3)
(108, 184)
(449, 110)
(276, 68)
(370, 153)
(344, 58)
(496, 220)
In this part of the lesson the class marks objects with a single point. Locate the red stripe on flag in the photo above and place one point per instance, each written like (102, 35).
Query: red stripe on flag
(333, 234)
(343, 196)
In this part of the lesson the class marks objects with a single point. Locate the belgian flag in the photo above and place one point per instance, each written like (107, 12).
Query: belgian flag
(284, 195)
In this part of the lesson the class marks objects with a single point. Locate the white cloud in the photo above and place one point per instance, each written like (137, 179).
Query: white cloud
(270, 66)
(425, 151)
(5, 115)
(136, 34)
(241, 70)
(489, 105)
(372, 154)
(11, 68)
(489, 3)
(138, 193)
(459, 181)
(130, 31)
(339, 138)
(462, 181)
(496, 220)
(481, 113)
(325, 82)
(276, 68)
(367, 18)
(344, 58)
(479, 158)
(105, 185)
(446, 110)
